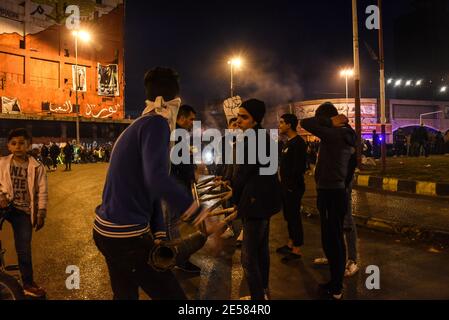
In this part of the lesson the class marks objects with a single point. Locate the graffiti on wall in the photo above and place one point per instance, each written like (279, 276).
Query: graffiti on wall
(104, 112)
(11, 105)
(65, 108)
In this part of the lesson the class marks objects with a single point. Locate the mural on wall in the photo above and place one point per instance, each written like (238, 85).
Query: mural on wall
(368, 111)
(79, 78)
(11, 105)
(108, 85)
(42, 14)
(104, 112)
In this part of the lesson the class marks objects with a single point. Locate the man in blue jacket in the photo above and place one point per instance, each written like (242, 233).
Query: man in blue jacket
(337, 148)
(130, 217)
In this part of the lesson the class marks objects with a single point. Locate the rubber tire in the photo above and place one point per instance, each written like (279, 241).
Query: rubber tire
(11, 282)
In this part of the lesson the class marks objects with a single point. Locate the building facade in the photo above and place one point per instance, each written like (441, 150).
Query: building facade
(400, 114)
(44, 68)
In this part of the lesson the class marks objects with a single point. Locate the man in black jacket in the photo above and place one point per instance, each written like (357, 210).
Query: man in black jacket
(292, 168)
(184, 174)
(257, 198)
(337, 147)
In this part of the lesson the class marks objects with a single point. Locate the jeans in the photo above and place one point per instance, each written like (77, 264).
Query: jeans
(350, 229)
(332, 205)
(127, 261)
(256, 256)
(23, 230)
(291, 203)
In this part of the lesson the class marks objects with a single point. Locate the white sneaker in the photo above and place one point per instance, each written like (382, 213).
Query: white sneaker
(320, 262)
(351, 269)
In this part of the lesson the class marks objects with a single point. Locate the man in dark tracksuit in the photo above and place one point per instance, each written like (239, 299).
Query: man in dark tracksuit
(337, 146)
(292, 168)
(257, 198)
(130, 220)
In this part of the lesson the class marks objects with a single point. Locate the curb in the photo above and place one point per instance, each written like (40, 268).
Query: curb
(434, 189)
(413, 232)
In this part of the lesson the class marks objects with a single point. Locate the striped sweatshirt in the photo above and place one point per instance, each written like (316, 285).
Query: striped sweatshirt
(137, 180)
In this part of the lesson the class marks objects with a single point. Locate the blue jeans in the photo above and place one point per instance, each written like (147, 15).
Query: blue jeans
(256, 256)
(23, 230)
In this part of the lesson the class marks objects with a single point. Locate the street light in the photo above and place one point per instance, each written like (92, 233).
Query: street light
(347, 73)
(234, 63)
(85, 37)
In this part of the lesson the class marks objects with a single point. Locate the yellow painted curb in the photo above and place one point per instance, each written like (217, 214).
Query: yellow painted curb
(390, 184)
(363, 181)
(426, 188)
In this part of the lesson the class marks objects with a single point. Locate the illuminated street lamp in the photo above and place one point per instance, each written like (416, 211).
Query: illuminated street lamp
(234, 63)
(85, 37)
(398, 83)
(418, 83)
(347, 73)
(443, 89)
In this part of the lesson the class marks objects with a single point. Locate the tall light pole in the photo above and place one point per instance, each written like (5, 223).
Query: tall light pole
(358, 113)
(234, 63)
(85, 36)
(347, 73)
(383, 119)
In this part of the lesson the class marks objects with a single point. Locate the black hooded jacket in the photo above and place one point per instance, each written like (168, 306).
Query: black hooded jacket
(337, 149)
(256, 196)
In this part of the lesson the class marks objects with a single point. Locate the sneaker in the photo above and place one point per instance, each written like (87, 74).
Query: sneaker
(320, 261)
(189, 267)
(284, 250)
(267, 295)
(337, 296)
(291, 257)
(351, 269)
(34, 290)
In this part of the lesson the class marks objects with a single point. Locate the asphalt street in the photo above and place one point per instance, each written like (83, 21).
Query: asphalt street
(408, 269)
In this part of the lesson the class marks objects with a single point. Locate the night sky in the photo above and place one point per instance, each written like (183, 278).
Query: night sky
(293, 50)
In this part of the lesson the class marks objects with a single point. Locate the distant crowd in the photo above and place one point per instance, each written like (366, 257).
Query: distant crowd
(54, 154)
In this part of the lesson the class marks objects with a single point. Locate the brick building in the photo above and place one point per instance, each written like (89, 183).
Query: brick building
(38, 70)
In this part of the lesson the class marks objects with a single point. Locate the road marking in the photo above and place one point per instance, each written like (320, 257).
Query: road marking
(426, 188)
(363, 181)
(390, 184)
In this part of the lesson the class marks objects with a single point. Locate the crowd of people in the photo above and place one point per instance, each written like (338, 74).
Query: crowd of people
(420, 142)
(54, 154)
(144, 198)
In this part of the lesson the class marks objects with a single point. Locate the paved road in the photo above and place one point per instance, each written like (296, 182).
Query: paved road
(425, 212)
(409, 270)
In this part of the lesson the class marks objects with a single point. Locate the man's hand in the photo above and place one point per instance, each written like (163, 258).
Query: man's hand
(40, 220)
(339, 121)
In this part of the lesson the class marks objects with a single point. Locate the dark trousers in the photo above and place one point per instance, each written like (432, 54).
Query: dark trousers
(291, 203)
(55, 162)
(23, 230)
(68, 164)
(332, 205)
(128, 270)
(256, 256)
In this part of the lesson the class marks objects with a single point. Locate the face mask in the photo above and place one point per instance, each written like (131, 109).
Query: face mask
(168, 110)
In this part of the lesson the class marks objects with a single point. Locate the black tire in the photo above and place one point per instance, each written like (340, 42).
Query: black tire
(10, 288)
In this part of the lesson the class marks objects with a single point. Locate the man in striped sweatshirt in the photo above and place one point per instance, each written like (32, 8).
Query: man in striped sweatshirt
(130, 219)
